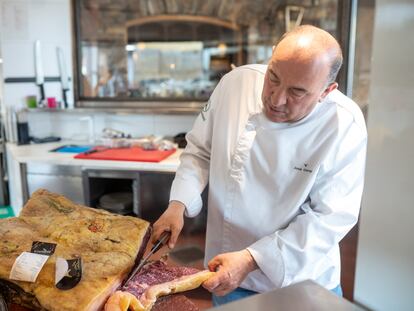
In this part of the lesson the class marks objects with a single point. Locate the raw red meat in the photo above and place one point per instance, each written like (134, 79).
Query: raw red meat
(174, 303)
(153, 281)
(155, 273)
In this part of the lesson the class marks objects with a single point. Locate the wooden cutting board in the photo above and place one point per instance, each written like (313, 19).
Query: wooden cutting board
(127, 154)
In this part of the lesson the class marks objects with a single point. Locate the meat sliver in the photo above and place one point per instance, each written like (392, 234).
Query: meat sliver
(155, 273)
(155, 280)
(174, 303)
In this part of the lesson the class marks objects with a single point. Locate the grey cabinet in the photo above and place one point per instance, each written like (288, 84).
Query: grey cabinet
(62, 179)
(150, 190)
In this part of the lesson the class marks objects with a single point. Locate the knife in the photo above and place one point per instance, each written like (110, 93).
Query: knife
(39, 71)
(157, 246)
(63, 76)
(93, 150)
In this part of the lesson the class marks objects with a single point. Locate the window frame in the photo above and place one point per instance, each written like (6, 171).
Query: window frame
(346, 16)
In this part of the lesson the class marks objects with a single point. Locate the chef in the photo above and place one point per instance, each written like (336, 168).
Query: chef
(283, 153)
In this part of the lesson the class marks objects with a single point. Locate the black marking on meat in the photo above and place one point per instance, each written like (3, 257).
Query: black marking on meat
(73, 276)
(43, 248)
(111, 240)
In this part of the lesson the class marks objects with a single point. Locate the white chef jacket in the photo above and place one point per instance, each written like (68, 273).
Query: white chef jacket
(288, 192)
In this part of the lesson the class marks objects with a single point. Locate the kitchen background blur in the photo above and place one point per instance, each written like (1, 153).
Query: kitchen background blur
(146, 67)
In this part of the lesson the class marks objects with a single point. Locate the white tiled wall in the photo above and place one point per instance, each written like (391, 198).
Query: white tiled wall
(75, 126)
(23, 22)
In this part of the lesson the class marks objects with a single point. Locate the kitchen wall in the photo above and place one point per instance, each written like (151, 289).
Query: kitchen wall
(385, 256)
(76, 126)
(23, 22)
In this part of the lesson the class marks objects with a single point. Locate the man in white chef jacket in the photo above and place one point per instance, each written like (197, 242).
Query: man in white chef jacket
(283, 152)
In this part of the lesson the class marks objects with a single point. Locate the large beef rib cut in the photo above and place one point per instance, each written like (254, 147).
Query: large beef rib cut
(109, 246)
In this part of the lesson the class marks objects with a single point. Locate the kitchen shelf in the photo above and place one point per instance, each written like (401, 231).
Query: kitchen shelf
(121, 111)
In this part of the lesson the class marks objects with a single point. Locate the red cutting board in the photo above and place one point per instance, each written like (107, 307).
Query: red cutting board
(127, 154)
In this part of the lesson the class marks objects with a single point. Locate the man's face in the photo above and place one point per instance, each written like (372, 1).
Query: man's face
(293, 85)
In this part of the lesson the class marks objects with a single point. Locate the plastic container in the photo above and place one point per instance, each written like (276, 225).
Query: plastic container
(51, 102)
(31, 101)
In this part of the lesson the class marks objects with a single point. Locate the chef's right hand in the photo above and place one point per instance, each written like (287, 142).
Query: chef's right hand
(171, 220)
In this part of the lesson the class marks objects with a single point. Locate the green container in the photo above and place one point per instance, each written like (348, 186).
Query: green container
(6, 212)
(31, 101)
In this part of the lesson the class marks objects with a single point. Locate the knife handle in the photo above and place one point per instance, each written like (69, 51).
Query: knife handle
(91, 151)
(42, 92)
(165, 236)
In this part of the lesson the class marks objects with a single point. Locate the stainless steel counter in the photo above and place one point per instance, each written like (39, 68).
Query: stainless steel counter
(304, 296)
(35, 166)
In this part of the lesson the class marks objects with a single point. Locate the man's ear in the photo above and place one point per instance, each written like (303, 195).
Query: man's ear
(329, 88)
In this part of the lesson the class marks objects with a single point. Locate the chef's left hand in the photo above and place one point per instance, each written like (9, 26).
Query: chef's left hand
(231, 269)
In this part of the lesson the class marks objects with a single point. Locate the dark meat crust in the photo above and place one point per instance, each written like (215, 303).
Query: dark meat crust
(174, 303)
(14, 294)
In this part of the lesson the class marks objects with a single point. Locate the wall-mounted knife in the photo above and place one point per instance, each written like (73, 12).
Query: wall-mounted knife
(63, 75)
(39, 71)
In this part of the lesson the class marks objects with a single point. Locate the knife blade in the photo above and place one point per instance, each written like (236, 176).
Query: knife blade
(157, 246)
(96, 149)
(63, 75)
(39, 71)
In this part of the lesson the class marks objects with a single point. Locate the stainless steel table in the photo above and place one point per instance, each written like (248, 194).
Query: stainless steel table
(304, 296)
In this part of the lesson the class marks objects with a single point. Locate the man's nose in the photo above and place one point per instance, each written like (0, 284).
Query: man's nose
(278, 98)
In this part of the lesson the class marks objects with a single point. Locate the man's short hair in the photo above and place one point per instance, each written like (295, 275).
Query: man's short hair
(335, 66)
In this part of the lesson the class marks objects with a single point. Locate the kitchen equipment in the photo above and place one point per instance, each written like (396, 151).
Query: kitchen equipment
(290, 10)
(93, 150)
(39, 72)
(125, 154)
(31, 101)
(305, 295)
(51, 102)
(23, 137)
(117, 202)
(63, 76)
(157, 246)
(72, 148)
(180, 140)
(23, 133)
(112, 133)
(47, 139)
(6, 212)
